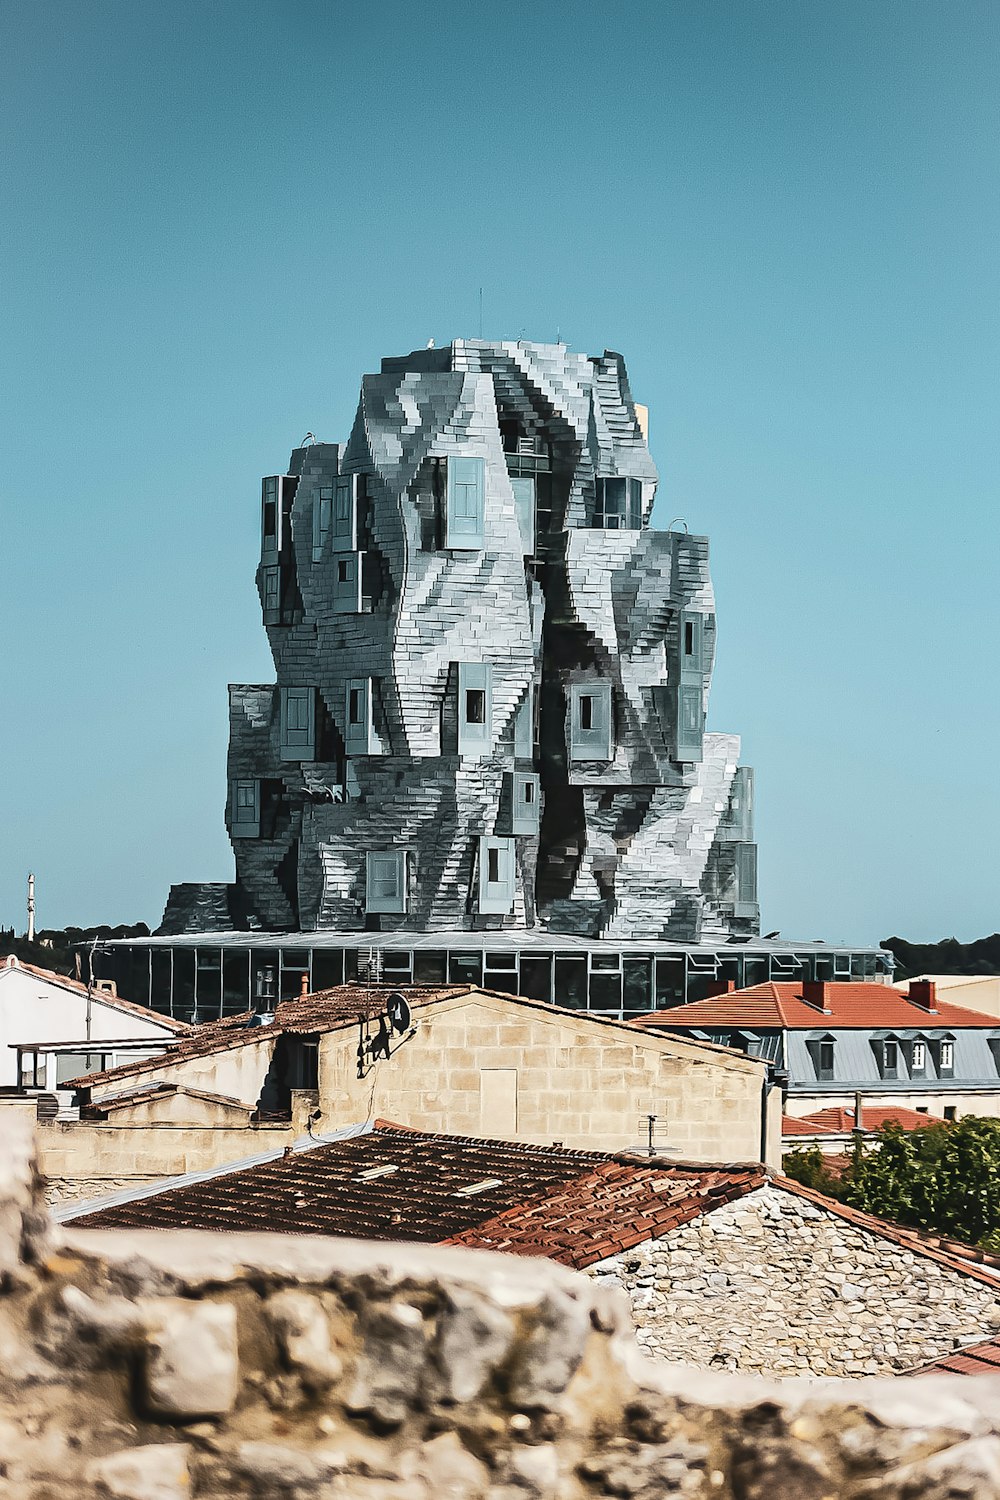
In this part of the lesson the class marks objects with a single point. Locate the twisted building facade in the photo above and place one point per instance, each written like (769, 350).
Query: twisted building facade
(492, 675)
(484, 757)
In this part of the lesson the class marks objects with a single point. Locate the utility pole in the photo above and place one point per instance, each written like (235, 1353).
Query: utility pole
(31, 908)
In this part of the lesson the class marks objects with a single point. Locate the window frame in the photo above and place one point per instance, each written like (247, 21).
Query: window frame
(594, 741)
(496, 896)
(384, 902)
(465, 502)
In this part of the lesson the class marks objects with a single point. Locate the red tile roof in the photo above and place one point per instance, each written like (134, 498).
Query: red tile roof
(577, 1207)
(839, 1121)
(98, 996)
(780, 1006)
(977, 1359)
(621, 1203)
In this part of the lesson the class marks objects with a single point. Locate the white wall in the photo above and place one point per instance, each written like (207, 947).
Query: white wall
(38, 1009)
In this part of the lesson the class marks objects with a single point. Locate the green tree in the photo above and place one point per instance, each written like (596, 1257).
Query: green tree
(808, 1165)
(944, 1177)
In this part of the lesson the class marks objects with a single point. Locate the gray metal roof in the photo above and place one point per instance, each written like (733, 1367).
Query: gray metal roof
(536, 939)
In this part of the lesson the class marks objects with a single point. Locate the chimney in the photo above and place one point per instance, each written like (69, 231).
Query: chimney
(304, 987)
(719, 987)
(923, 992)
(858, 1114)
(814, 993)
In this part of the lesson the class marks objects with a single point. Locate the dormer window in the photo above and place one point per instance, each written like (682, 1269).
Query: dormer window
(889, 1057)
(918, 1058)
(946, 1057)
(821, 1049)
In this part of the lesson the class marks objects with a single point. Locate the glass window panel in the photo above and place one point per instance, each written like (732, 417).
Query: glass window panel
(430, 966)
(327, 968)
(605, 991)
(465, 968)
(235, 981)
(571, 983)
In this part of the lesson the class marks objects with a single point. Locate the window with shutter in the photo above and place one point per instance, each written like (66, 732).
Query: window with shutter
(590, 736)
(359, 731)
(322, 520)
(245, 804)
(497, 866)
(272, 596)
(746, 880)
(524, 726)
(270, 523)
(475, 708)
(345, 513)
(298, 723)
(465, 503)
(385, 881)
(524, 501)
(690, 721)
(524, 802)
(347, 583)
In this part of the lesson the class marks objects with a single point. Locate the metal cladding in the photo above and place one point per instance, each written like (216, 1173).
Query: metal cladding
(492, 675)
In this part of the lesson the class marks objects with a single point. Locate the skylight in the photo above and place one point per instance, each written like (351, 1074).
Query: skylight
(478, 1187)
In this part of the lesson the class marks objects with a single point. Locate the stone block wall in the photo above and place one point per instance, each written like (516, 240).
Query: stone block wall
(776, 1285)
(185, 1366)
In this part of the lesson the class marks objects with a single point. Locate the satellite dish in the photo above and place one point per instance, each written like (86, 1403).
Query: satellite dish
(398, 1012)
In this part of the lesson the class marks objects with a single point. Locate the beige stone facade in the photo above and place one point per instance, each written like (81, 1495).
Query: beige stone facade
(488, 1065)
(475, 1063)
(776, 1285)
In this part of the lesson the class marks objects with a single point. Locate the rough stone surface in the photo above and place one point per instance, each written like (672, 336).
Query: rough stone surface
(191, 1367)
(774, 1284)
(452, 1375)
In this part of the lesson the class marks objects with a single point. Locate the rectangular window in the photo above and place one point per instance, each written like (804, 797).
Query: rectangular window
(524, 726)
(359, 714)
(385, 881)
(496, 875)
(475, 708)
(298, 723)
(692, 645)
(890, 1059)
(635, 504)
(590, 736)
(270, 521)
(347, 584)
(272, 596)
(521, 796)
(277, 494)
(322, 519)
(918, 1063)
(345, 513)
(690, 722)
(465, 503)
(524, 503)
(825, 1058)
(245, 805)
(746, 880)
(950, 1112)
(947, 1057)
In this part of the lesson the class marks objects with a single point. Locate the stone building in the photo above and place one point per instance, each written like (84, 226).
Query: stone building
(152, 1365)
(724, 1265)
(484, 755)
(461, 1060)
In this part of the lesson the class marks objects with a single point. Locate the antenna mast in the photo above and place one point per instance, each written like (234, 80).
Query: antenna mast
(31, 908)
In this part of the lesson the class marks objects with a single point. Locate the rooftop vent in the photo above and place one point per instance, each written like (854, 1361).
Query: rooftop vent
(386, 1170)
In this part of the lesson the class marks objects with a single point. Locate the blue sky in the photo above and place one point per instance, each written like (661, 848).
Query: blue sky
(785, 215)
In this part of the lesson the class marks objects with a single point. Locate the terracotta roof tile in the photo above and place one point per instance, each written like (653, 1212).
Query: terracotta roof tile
(977, 1359)
(840, 1121)
(780, 1006)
